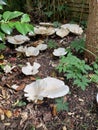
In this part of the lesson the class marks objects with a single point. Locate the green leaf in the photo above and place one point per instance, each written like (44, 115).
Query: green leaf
(6, 28)
(21, 28)
(2, 36)
(1, 7)
(11, 24)
(61, 105)
(21, 103)
(8, 15)
(2, 46)
(24, 28)
(29, 27)
(25, 18)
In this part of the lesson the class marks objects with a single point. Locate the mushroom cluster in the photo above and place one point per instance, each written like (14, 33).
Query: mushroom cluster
(48, 29)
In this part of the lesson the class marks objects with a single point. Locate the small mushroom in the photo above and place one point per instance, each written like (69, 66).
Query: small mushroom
(59, 52)
(48, 87)
(50, 31)
(21, 49)
(62, 32)
(30, 70)
(32, 51)
(17, 39)
(73, 28)
(40, 30)
(8, 68)
(42, 47)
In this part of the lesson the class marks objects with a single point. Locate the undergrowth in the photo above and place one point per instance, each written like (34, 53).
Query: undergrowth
(76, 69)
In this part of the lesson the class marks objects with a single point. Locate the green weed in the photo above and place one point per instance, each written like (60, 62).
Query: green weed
(52, 44)
(78, 45)
(76, 69)
(61, 105)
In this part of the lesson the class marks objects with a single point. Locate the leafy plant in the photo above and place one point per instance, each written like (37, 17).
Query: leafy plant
(52, 44)
(61, 105)
(94, 76)
(78, 44)
(49, 13)
(14, 20)
(75, 69)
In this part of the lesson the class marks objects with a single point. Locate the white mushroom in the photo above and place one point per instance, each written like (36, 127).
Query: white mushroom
(48, 87)
(62, 32)
(8, 68)
(50, 31)
(32, 51)
(45, 24)
(44, 30)
(31, 70)
(40, 30)
(21, 49)
(74, 28)
(59, 52)
(42, 47)
(17, 39)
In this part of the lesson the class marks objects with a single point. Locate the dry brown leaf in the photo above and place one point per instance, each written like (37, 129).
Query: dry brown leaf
(8, 113)
(2, 116)
(32, 78)
(36, 43)
(21, 87)
(54, 109)
(16, 113)
(24, 116)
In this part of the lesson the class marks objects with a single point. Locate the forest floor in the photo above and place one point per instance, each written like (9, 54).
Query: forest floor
(16, 113)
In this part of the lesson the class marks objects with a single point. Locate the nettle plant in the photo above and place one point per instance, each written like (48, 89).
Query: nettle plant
(76, 69)
(14, 20)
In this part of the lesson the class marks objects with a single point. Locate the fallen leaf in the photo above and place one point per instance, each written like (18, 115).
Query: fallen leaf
(54, 109)
(64, 128)
(21, 87)
(1, 57)
(16, 113)
(24, 116)
(2, 116)
(8, 113)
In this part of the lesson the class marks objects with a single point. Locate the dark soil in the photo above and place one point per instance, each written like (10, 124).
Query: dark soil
(82, 111)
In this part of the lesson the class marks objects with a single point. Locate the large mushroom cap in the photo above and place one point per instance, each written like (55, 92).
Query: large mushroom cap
(47, 87)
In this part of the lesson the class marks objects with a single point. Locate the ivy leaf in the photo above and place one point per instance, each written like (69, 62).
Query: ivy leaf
(29, 27)
(21, 28)
(8, 15)
(25, 18)
(11, 24)
(6, 28)
(1, 7)
(2, 46)
(2, 35)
